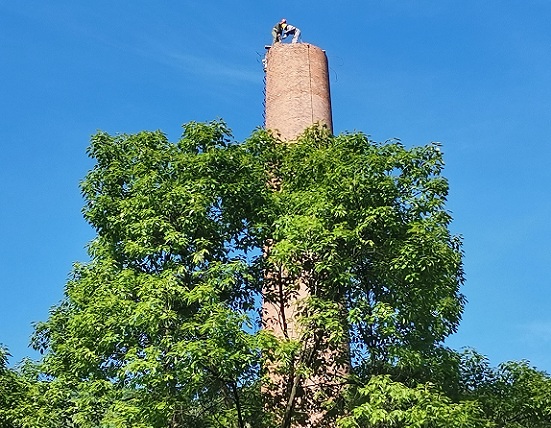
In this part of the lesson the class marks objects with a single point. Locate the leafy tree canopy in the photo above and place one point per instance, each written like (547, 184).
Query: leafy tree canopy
(161, 327)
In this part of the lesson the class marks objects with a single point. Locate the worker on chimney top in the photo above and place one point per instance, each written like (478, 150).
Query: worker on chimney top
(281, 30)
(277, 31)
(288, 30)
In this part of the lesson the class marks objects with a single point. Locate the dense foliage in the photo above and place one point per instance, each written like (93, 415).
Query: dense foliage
(161, 327)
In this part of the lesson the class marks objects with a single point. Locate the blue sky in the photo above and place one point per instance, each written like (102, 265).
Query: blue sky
(473, 75)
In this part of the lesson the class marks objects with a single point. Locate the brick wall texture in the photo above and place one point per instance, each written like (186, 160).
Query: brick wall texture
(298, 96)
(297, 89)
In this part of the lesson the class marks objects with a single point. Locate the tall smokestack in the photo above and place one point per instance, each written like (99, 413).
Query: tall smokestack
(297, 89)
(297, 97)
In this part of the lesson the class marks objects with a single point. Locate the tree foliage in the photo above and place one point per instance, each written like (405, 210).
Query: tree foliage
(161, 327)
(10, 391)
(513, 395)
(23, 398)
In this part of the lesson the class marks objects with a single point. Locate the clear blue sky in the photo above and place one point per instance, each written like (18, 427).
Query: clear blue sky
(474, 75)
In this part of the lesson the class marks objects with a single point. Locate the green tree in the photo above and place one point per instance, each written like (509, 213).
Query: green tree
(22, 403)
(10, 391)
(513, 395)
(161, 327)
(364, 225)
(382, 402)
(153, 331)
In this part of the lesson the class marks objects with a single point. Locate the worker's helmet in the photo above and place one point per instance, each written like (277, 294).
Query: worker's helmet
(283, 21)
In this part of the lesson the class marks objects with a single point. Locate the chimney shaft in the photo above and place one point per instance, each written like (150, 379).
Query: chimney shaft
(297, 97)
(297, 89)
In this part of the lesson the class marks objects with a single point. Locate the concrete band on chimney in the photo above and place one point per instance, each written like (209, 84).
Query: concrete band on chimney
(297, 89)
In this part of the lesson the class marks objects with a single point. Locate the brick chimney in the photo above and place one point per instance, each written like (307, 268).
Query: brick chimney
(297, 89)
(297, 96)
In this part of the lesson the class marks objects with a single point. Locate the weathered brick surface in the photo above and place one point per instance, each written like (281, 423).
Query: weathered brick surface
(297, 89)
(297, 96)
